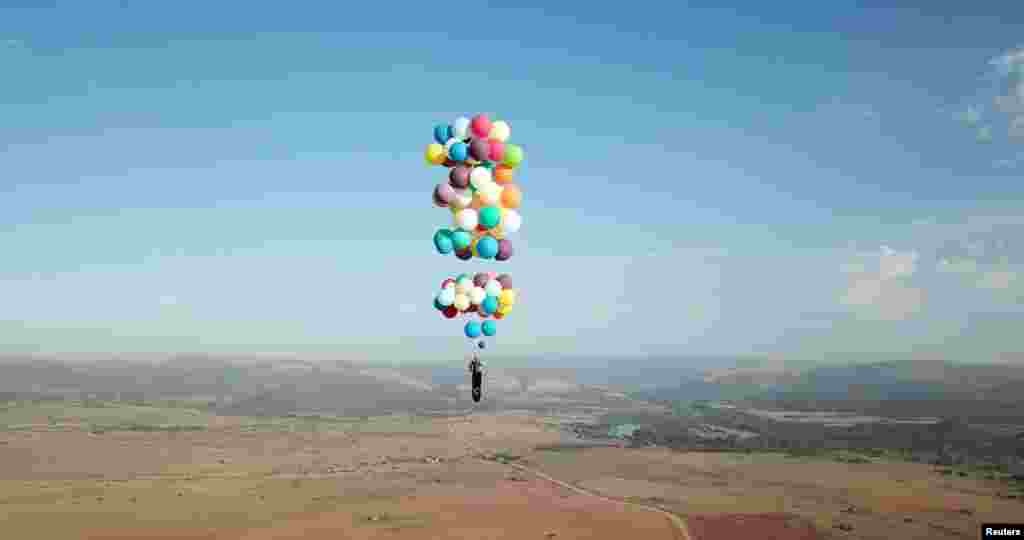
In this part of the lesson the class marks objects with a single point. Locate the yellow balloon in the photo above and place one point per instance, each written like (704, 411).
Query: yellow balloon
(472, 246)
(435, 154)
(507, 298)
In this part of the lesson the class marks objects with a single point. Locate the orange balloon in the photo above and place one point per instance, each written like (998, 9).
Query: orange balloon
(511, 197)
(502, 175)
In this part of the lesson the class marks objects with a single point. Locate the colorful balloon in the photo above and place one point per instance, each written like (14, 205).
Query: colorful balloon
(505, 250)
(443, 241)
(473, 329)
(481, 279)
(467, 219)
(459, 176)
(435, 154)
(511, 221)
(450, 312)
(459, 151)
(480, 126)
(511, 197)
(464, 254)
(496, 150)
(505, 280)
(489, 328)
(491, 194)
(461, 239)
(502, 174)
(489, 304)
(493, 288)
(444, 193)
(479, 149)
(507, 297)
(460, 128)
(513, 155)
(487, 247)
(480, 177)
(490, 217)
(500, 131)
(461, 302)
(477, 295)
(442, 133)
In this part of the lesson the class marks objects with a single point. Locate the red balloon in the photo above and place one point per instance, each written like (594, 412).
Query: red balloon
(480, 125)
(498, 315)
(464, 255)
(497, 150)
(450, 312)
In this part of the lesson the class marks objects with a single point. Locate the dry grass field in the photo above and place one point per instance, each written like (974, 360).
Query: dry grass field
(146, 472)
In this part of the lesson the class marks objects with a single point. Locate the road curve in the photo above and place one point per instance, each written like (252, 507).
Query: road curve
(682, 532)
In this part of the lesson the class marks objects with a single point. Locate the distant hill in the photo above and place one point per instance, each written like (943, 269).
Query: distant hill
(982, 393)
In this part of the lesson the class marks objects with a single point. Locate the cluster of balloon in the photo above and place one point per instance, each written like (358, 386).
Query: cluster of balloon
(487, 294)
(479, 191)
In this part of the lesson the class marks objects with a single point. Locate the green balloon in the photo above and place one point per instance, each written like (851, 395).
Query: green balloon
(490, 216)
(461, 239)
(513, 155)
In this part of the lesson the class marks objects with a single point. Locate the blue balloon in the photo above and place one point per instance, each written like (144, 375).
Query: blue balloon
(473, 329)
(461, 239)
(443, 241)
(489, 305)
(442, 132)
(487, 247)
(459, 151)
(489, 328)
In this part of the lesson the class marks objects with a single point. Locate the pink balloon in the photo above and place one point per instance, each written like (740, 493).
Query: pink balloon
(497, 150)
(480, 125)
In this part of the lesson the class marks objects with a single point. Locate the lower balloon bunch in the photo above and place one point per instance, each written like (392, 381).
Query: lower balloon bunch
(487, 294)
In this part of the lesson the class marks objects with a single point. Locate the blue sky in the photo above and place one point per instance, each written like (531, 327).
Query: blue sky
(754, 178)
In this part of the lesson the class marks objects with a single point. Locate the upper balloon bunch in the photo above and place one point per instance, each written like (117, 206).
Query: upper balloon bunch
(479, 191)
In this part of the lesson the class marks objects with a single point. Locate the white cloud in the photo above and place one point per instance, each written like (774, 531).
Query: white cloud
(879, 288)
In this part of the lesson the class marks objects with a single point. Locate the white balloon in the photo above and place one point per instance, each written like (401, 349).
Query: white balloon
(446, 296)
(500, 130)
(463, 198)
(480, 177)
(477, 295)
(490, 194)
(493, 288)
(467, 219)
(511, 221)
(460, 128)
(461, 302)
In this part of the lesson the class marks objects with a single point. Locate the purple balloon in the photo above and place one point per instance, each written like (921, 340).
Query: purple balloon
(480, 280)
(438, 201)
(505, 250)
(459, 176)
(505, 279)
(444, 193)
(479, 149)
(465, 254)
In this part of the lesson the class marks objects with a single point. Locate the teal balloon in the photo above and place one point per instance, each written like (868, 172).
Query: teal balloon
(462, 276)
(461, 239)
(489, 328)
(473, 329)
(489, 305)
(443, 242)
(487, 164)
(437, 304)
(490, 216)
(459, 151)
(487, 247)
(442, 132)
